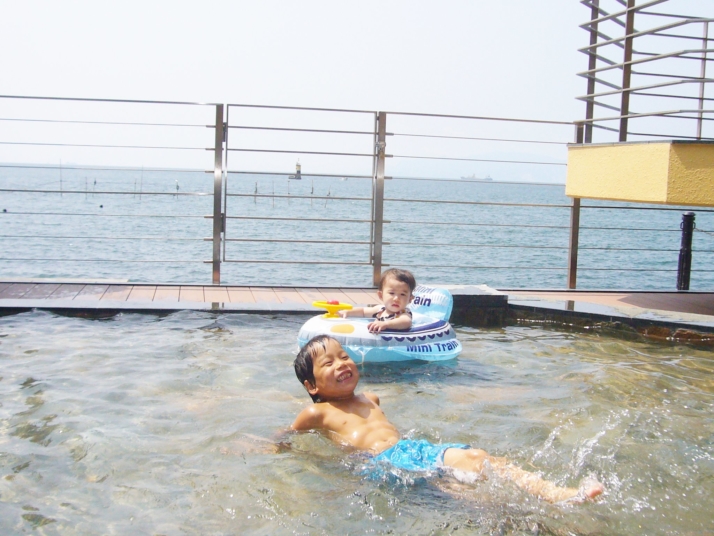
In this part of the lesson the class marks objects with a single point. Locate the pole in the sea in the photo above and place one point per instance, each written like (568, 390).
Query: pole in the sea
(684, 267)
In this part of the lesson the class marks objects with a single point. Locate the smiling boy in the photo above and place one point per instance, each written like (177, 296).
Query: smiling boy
(356, 420)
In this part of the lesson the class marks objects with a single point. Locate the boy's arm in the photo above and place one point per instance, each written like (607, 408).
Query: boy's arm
(308, 419)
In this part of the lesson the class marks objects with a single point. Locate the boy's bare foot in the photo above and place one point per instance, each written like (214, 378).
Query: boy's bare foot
(590, 488)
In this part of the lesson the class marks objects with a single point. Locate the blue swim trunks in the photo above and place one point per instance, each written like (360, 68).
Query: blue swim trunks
(416, 455)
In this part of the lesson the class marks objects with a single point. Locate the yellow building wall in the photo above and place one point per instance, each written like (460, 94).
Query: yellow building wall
(650, 172)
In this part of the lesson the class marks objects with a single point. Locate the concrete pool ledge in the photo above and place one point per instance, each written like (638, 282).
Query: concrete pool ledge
(674, 316)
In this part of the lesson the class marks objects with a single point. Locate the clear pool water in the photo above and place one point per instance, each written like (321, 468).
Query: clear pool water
(142, 424)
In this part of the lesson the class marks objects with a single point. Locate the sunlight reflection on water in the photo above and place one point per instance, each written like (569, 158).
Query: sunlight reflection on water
(158, 424)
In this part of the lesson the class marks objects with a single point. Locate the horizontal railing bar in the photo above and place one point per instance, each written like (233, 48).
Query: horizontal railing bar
(54, 237)
(466, 224)
(124, 101)
(697, 209)
(104, 215)
(103, 192)
(642, 33)
(667, 136)
(664, 114)
(282, 151)
(490, 203)
(281, 241)
(283, 173)
(92, 168)
(619, 90)
(477, 160)
(285, 129)
(639, 61)
(427, 244)
(475, 181)
(257, 261)
(104, 122)
(328, 220)
(484, 118)
(672, 16)
(600, 81)
(637, 269)
(102, 146)
(614, 17)
(473, 138)
(163, 261)
(285, 196)
(305, 108)
(691, 97)
(473, 267)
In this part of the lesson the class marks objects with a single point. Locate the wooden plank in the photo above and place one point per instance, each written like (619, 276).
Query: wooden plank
(681, 303)
(264, 295)
(142, 293)
(216, 294)
(66, 292)
(3, 286)
(16, 290)
(289, 295)
(41, 291)
(312, 294)
(191, 293)
(240, 295)
(117, 293)
(91, 293)
(169, 294)
(335, 294)
(361, 297)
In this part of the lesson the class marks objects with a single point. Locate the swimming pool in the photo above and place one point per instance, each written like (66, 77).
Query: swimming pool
(151, 425)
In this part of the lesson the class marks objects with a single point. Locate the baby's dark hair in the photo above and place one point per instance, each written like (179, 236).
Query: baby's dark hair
(303, 361)
(403, 276)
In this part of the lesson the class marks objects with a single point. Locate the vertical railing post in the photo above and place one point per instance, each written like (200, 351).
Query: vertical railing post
(378, 207)
(218, 215)
(684, 267)
(627, 68)
(573, 243)
(592, 64)
(702, 75)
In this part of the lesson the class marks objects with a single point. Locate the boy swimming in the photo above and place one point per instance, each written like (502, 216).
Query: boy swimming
(395, 292)
(356, 420)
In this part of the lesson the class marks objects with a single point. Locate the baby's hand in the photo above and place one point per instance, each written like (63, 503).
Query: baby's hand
(375, 327)
(342, 313)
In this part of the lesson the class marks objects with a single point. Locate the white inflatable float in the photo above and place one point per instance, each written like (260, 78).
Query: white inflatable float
(431, 337)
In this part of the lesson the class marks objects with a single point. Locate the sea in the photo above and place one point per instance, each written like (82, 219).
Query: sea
(155, 226)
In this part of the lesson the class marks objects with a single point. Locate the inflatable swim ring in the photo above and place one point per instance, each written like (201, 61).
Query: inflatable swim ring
(431, 337)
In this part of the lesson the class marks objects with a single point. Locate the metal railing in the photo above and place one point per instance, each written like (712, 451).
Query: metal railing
(647, 68)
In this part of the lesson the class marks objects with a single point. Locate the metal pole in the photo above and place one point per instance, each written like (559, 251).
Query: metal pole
(380, 147)
(573, 243)
(627, 68)
(592, 64)
(702, 74)
(685, 251)
(218, 216)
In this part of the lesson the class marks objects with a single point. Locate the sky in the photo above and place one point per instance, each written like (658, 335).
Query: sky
(506, 58)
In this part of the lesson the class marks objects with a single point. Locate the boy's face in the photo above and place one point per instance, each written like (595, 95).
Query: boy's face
(336, 375)
(395, 295)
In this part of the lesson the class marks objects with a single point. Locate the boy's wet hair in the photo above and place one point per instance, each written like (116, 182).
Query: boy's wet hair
(403, 276)
(304, 361)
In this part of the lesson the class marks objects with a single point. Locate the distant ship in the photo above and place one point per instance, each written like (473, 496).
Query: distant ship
(298, 172)
(473, 177)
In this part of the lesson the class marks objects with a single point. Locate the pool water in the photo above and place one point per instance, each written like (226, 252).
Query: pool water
(141, 424)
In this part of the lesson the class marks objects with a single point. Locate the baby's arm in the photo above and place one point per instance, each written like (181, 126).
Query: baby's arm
(359, 311)
(403, 321)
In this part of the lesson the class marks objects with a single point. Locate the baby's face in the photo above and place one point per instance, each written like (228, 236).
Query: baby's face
(336, 375)
(395, 295)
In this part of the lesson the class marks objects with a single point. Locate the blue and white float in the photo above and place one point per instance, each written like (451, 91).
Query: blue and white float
(431, 337)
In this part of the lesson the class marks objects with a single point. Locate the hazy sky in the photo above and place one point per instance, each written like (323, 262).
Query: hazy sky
(508, 58)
